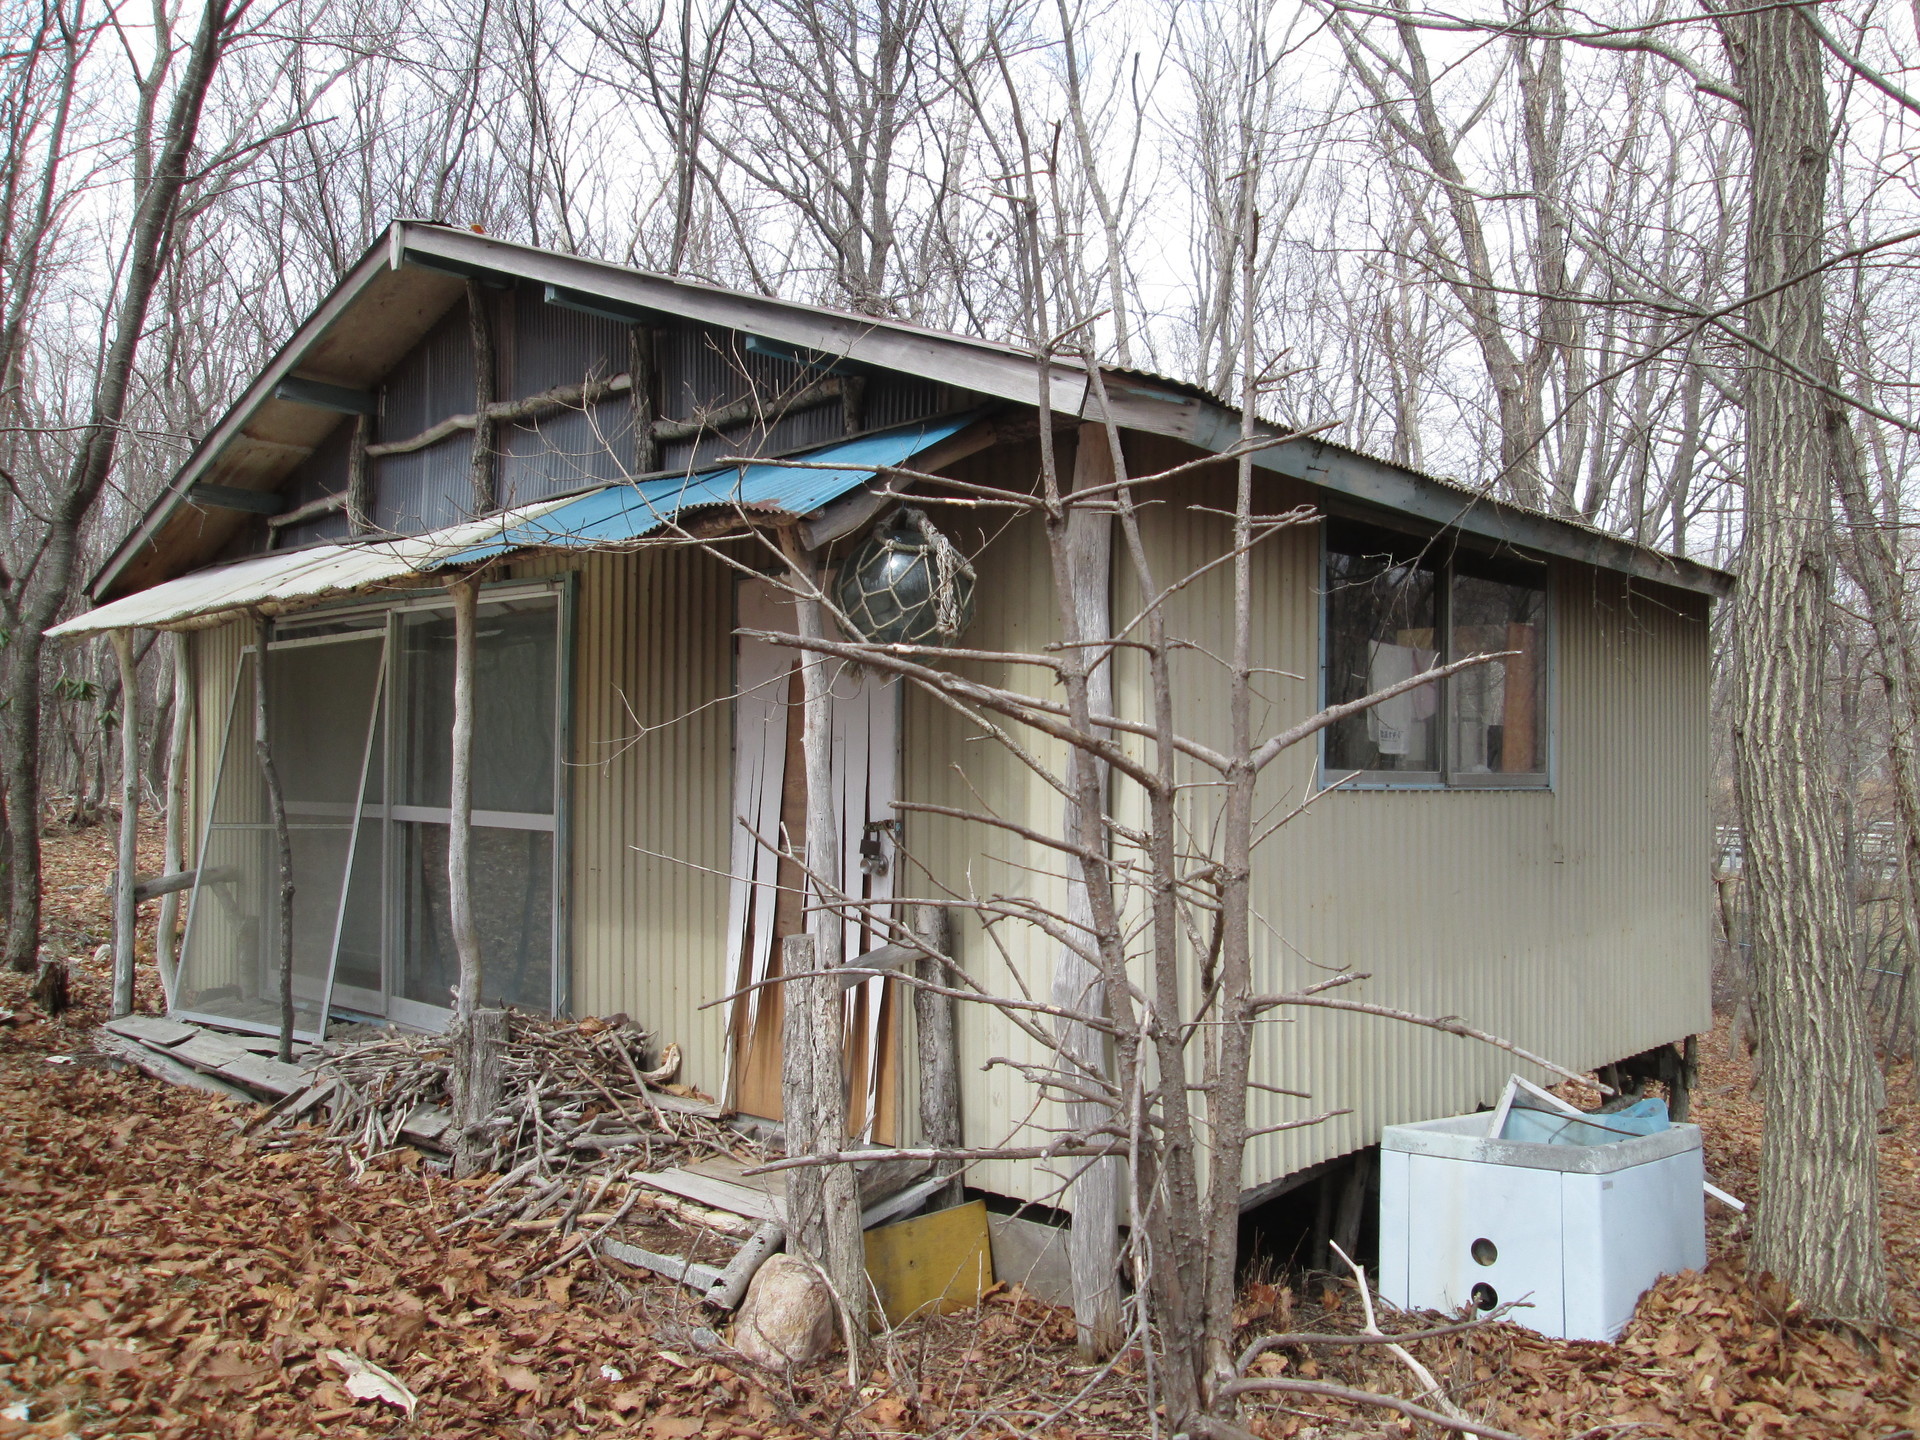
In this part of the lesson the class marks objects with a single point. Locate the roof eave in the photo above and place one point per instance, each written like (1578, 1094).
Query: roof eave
(365, 270)
(1358, 477)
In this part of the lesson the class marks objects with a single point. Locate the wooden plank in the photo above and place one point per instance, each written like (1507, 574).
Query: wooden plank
(261, 1073)
(718, 1194)
(313, 1096)
(162, 1066)
(208, 1051)
(903, 1202)
(690, 1273)
(941, 1262)
(153, 1030)
(734, 1172)
(265, 1044)
(427, 1125)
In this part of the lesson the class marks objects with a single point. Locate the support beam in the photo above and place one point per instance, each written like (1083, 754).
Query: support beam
(152, 887)
(939, 1049)
(481, 467)
(643, 358)
(232, 497)
(123, 910)
(173, 848)
(1093, 1242)
(466, 931)
(319, 395)
(283, 846)
(359, 496)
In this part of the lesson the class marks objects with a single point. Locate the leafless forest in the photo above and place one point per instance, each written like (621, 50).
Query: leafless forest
(1645, 266)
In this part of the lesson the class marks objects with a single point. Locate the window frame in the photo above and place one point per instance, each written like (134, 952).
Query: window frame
(1444, 551)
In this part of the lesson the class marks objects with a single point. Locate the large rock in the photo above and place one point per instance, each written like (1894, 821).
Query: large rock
(787, 1317)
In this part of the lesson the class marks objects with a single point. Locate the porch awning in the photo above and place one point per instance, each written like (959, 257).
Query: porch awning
(603, 519)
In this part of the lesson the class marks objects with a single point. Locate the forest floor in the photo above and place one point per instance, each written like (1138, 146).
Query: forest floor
(163, 1274)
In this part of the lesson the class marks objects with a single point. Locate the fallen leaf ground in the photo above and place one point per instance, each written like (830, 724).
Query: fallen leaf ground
(164, 1274)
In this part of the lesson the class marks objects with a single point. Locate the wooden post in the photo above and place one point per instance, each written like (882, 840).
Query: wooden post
(173, 855)
(1093, 1242)
(277, 806)
(479, 1056)
(640, 366)
(844, 1255)
(806, 1213)
(485, 499)
(358, 508)
(939, 1049)
(466, 933)
(124, 881)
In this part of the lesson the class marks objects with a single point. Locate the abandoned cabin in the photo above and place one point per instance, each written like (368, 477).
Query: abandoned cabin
(1523, 847)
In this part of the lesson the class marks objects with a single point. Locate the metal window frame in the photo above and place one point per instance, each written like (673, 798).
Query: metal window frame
(1446, 778)
(385, 732)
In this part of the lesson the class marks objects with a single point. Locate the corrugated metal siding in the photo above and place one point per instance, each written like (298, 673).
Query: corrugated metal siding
(213, 658)
(322, 473)
(653, 648)
(427, 488)
(543, 346)
(1574, 922)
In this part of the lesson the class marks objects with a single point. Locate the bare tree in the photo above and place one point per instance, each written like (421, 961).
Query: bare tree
(38, 578)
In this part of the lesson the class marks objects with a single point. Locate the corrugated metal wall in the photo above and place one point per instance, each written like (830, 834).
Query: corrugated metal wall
(652, 770)
(213, 658)
(1573, 922)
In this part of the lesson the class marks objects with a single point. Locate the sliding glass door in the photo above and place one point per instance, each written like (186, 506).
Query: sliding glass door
(361, 709)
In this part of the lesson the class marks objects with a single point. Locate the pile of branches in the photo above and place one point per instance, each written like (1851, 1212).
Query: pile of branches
(578, 1115)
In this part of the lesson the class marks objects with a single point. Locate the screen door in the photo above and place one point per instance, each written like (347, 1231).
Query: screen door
(322, 693)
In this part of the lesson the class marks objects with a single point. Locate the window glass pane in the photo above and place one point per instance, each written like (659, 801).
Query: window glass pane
(1498, 710)
(515, 650)
(513, 910)
(1381, 615)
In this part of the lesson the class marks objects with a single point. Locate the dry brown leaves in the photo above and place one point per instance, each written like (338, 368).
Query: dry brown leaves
(161, 1275)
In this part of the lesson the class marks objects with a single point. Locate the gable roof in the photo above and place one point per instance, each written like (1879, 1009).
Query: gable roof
(408, 280)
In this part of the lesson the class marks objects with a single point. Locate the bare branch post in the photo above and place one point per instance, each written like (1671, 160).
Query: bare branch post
(466, 933)
(124, 877)
(283, 839)
(174, 851)
(1093, 1244)
(842, 1254)
(940, 1127)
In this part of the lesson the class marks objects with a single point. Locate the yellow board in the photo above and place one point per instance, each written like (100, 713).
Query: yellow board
(939, 1261)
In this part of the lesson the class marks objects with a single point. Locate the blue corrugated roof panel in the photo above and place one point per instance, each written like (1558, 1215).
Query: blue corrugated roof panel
(631, 512)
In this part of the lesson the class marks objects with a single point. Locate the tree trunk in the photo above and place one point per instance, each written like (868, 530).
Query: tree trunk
(283, 840)
(31, 604)
(174, 855)
(1093, 1196)
(124, 876)
(1817, 1224)
(1876, 569)
(844, 1255)
(806, 1212)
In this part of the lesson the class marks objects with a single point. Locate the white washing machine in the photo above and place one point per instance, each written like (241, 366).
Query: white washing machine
(1576, 1232)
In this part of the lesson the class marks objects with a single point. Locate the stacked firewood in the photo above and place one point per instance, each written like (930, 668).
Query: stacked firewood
(579, 1114)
